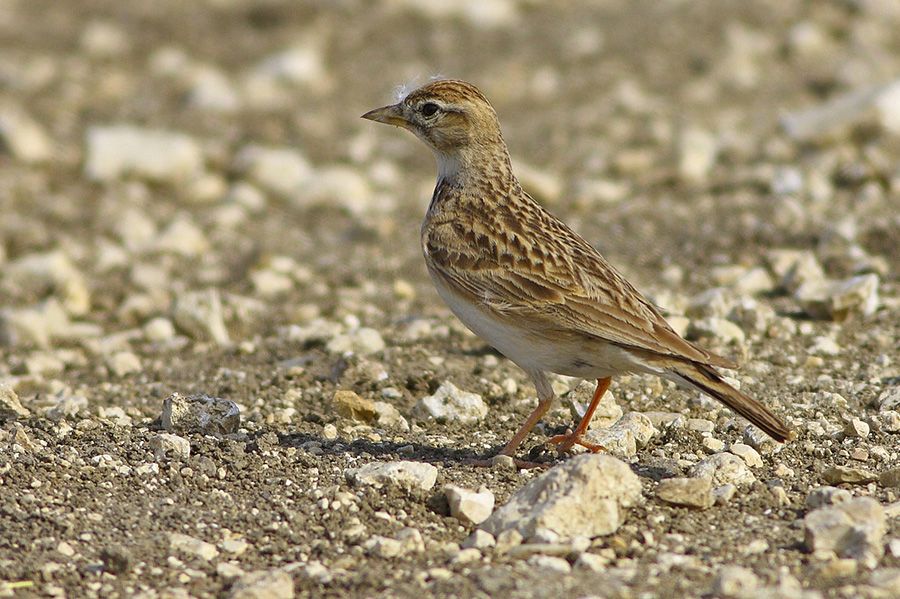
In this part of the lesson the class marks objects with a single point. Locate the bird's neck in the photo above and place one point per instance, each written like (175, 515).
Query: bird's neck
(474, 167)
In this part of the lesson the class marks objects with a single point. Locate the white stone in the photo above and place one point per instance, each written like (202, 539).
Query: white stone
(363, 341)
(723, 468)
(720, 328)
(853, 529)
(10, 406)
(734, 581)
(192, 546)
(585, 496)
(889, 399)
(200, 315)
(263, 584)
(823, 496)
(182, 237)
(690, 492)
(338, 186)
(451, 404)
(22, 137)
(411, 475)
(837, 299)
(390, 417)
(888, 105)
(607, 413)
(169, 446)
(748, 454)
(300, 65)
(697, 154)
(479, 539)
(283, 171)
(200, 413)
(468, 506)
(550, 562)
(54, 269)
(212, 90)
(793, 268)
(156, 155)
(159, 329)
(122, 363)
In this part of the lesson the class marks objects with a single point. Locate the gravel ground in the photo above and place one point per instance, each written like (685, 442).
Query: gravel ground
(224, 372)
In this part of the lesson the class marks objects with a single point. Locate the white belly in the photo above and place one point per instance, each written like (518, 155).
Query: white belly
(579, 358)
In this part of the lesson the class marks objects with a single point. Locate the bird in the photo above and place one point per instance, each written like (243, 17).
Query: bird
(527, 284)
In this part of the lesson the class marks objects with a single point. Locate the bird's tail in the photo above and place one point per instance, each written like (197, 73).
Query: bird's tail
(707, 380)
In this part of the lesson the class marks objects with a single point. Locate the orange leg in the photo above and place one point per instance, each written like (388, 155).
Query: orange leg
(568, 440)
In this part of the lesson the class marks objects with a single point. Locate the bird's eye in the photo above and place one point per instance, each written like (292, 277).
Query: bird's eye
(429, 108)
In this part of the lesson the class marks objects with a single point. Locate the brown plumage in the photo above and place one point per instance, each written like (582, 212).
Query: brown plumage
(525, 282)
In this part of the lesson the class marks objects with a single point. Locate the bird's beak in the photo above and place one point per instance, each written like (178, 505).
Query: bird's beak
(389, 115)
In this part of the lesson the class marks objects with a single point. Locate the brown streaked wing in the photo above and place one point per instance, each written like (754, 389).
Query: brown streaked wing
(571, 289)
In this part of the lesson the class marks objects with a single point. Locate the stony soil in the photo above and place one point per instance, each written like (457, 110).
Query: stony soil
(675, 136)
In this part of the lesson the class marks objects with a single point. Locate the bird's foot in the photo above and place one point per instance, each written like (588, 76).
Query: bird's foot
(570, 439)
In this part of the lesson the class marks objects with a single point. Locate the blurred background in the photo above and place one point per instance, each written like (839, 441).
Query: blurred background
(190, 202)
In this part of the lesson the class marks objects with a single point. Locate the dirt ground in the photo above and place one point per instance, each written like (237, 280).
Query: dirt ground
(660, 131)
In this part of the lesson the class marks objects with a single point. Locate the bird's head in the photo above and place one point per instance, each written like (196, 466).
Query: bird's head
(451, 116)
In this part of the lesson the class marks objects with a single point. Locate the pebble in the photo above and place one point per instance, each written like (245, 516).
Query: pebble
(723, 468)
(168, 446)
(734, 581)
(577, 398)
(282, 171)
(835, 300)
(409, 540)
(159, 330)
(760, 441)
(835, 475)
(887, 104)
(689, 492)
(212, 90)
(479, 539)
(390, 417)
(10, 406)
(793, 268)
(299, 65)
(824, 346)
(123, 363)
(468, 506)
(587, 495)
(153, 154)
(410, 475)
(22, 137)
(450, 404)
(56, 270)
(856, 428)
(747, 453)
(889, 399)
(353, 407)
(181, 237)
(549, 562)
(363, 341)
(192, 546)
(890, 478)
(712, 444)
(823, 496)
(719, 328)
(200, 413)
(200, 315)
(263, 584)
(852, 529)
(697, 152)
(339, 186)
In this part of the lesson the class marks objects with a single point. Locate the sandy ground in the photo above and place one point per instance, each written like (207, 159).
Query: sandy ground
(677, 137)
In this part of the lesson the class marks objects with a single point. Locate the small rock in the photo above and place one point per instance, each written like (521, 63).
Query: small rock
(300, 65)
(469, 506)
(890, 478)
(409, 540)
(759, 440)
(389, 417)
(353, 407)
(23, 137)
(363, 341)
(159, 329)
(585, 496)
(824, 346)
(887, 579)
(263, 584)
(823, 496)
(200, 315)
(889, 399)
(200, 413)
(338, 186)
(719, 328)
(168, 446)
(853, 529)
(734, 581)
(181, 237)
(549, 562)
(748, 454)
(283, 171)
(152, 154)
(856, 428)
(795, 267)
(10, 407)
(712, 444)
(192, 546)
(116, 560)
(689, 492)
(123, 363)
(835, 300)
(449, 404)
(724, 494)
(723, 468)
(479, 539)
(887, 103)
(410, 475)
(697, 151)
(607, 412)
(836, 475)
(701, 425)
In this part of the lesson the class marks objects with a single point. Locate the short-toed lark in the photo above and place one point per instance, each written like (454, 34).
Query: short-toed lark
(526, 283)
